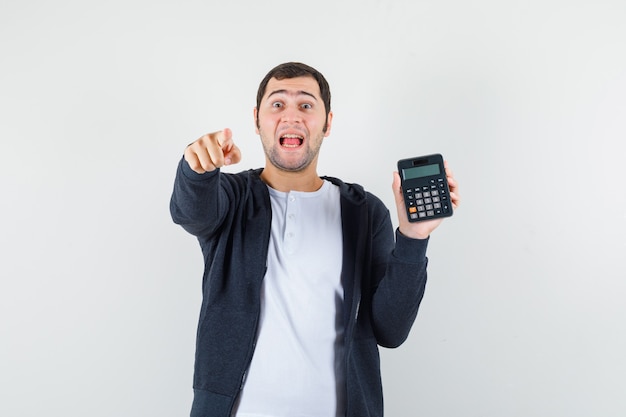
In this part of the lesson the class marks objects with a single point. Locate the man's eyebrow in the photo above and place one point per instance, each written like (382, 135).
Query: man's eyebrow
(296, 93)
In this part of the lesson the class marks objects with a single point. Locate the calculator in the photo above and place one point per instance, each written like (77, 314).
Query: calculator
(425, 188)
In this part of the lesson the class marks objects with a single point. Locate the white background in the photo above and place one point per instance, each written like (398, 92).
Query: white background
(99, 294)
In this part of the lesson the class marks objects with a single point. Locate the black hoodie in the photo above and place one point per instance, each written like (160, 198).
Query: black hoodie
(383, 283)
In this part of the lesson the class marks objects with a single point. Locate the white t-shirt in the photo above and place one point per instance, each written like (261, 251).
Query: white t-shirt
(297, 368)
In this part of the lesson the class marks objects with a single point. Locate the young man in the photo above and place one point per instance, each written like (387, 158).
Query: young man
(303, 277)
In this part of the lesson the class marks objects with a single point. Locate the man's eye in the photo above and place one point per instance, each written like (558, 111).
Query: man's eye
(307, 106)
(277, 105)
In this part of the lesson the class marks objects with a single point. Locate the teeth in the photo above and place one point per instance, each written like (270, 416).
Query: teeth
(291, 140)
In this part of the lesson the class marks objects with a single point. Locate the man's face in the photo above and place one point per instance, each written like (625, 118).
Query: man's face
(292, 122)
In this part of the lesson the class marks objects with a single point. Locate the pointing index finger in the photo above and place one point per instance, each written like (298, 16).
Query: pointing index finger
(224, 136)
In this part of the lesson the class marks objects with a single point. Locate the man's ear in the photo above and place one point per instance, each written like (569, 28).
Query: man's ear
(329, 122)
(255, 114)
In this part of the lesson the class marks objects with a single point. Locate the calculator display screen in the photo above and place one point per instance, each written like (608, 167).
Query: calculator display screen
(419, 172)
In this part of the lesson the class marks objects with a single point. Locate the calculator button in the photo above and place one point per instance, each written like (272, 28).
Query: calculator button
(430, 213)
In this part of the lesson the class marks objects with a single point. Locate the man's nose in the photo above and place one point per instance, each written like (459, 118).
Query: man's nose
(291, 114)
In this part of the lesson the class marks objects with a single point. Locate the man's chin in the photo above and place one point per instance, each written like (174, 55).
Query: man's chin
(290, 166)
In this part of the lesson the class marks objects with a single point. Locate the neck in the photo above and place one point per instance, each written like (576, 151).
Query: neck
(286, 181)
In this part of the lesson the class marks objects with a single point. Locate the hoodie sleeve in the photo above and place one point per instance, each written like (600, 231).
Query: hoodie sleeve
(199, 202)
(400, 279)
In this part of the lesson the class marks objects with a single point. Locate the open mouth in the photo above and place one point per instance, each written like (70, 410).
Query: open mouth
(291, 141)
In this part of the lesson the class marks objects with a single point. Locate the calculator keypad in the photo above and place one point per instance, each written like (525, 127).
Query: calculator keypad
(430, 200)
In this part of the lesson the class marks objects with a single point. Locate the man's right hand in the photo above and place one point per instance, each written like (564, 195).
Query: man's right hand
(212, 151)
